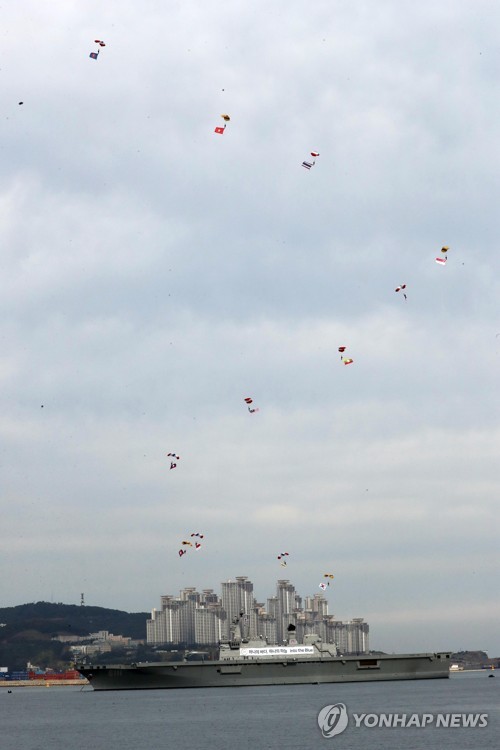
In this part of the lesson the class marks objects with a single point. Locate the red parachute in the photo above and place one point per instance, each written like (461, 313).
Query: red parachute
(444, 250)
(281, 557)
(309, 164)
(220, 130)
(345, 360)
(186, 543)
(401, 288)
(249, 401)
(95, 55)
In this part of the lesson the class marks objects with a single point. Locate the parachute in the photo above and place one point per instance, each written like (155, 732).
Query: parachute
(281, 556)
(345, 360)
(401, 288)
(323, 586)
(186, 543)
(309, 164)
(249, 401)
(95, 55)
(444, 250)
(173, 462)
(220, 130)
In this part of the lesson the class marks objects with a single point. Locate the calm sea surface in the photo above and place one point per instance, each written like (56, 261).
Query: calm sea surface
(67, 718)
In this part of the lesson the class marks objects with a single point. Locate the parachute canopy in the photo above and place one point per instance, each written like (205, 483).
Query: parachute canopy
(281, 557)
(401, 288)
(220, 130)
(95, 55)
(187, 543)
(249, 401)
(174, 458)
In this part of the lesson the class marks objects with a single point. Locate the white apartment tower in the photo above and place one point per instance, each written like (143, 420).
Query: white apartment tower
(237, 596)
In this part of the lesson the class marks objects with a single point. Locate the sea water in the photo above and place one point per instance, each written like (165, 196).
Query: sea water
(251, 718)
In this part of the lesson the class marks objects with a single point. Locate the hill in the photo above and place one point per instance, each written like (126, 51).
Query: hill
(26, 630)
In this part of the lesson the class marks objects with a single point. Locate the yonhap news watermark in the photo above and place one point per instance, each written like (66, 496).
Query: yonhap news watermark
(335, 718)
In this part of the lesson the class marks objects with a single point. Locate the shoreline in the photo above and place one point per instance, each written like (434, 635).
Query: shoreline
(42, 683)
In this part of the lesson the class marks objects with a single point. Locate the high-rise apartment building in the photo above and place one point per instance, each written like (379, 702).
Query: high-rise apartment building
(286, 611)
(209, 624)
(237, 596)
(195, 618)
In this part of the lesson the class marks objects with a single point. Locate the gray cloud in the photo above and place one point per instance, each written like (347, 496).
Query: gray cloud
(154, 274)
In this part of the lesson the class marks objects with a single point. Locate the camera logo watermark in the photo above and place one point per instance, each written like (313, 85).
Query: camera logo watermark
(334, 719)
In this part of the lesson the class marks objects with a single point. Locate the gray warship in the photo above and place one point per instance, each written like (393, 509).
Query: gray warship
(245, 662)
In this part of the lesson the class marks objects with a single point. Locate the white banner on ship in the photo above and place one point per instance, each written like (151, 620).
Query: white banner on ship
(277, 651)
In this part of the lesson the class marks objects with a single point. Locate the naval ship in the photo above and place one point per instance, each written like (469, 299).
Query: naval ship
(248, 662)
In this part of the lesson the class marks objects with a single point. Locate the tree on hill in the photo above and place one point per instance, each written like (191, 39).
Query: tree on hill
(29, 629)
(68, 619)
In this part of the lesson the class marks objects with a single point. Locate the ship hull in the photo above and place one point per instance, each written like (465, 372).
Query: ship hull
(246, 673)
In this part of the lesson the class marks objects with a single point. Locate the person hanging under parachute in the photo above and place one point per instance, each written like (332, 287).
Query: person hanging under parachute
(308, 164)
(95, 55)
(345, 360)
(173, 463)
(441, 260)
(281, 558)
(186, 543)
(401, 288)
(220, 130)
(323, 586)
(249, 401)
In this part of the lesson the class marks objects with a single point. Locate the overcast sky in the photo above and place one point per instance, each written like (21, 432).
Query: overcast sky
(154, 274)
